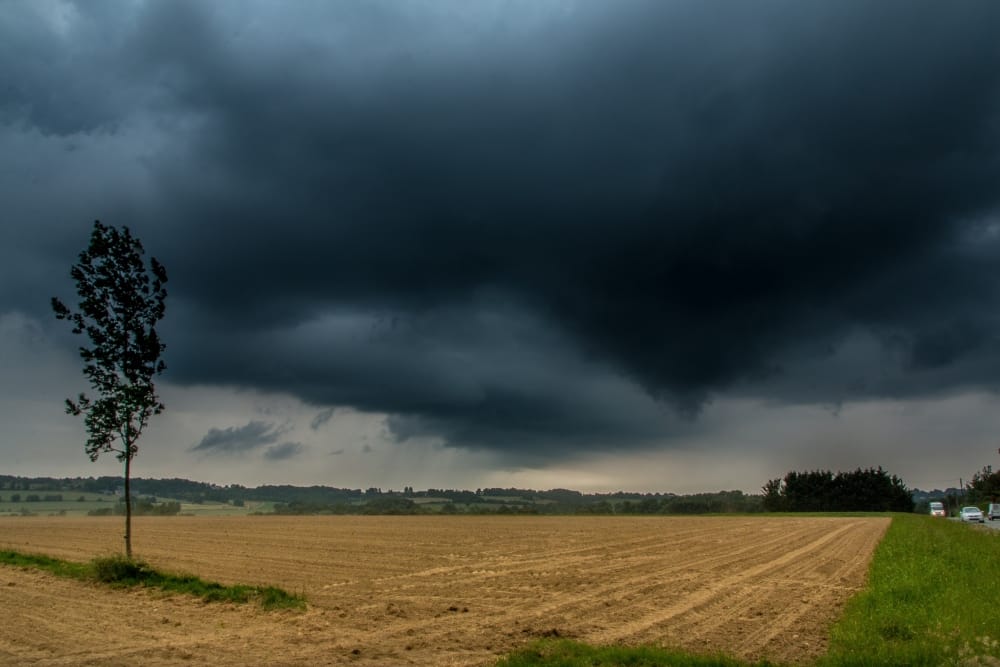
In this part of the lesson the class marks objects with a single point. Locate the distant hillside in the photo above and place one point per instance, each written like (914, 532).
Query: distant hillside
(287, 499)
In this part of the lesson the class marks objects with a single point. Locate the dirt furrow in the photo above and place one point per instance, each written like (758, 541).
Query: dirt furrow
(768, 608)
(438, 590)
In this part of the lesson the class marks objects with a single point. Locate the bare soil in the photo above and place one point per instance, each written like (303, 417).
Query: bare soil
(436, 590)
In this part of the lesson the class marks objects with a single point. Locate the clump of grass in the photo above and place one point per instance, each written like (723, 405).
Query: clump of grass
(123, 572)
(568, 653)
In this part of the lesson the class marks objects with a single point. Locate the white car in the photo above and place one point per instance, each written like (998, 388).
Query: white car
(971, 514)
(937, 508)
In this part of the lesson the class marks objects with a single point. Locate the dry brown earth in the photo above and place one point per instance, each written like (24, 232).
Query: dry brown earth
(437, 590)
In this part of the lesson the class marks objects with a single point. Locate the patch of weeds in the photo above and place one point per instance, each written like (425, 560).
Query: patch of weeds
(567, 653)
(895, 631)
(121, 570)
(270, 597)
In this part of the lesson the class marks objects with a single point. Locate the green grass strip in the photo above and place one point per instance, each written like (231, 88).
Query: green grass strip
(933, 598)
(57, 567)
(122, 572)
(568, 653)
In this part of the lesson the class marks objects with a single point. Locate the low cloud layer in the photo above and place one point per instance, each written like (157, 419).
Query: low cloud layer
(284, 451)
(239, 439)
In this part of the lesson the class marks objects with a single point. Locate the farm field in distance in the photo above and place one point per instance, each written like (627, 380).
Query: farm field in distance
(438, 590)
(79, 504)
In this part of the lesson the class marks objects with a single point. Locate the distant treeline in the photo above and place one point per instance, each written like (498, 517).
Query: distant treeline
(816, 491)
(181, 489)
(35, 498)
(985, 486)
(538, 502)
(868, 490)
(140, 507)
(289, 499)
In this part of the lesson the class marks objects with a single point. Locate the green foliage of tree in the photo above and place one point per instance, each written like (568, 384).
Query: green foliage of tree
(985, 485)
(121, 301)
(149, 507)
(390, 506)
(813, 491)
(868, 490)
(774, 501)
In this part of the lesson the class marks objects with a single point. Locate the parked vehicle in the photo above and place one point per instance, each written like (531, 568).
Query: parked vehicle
(993, 511)
(937, 509)
(971, 515)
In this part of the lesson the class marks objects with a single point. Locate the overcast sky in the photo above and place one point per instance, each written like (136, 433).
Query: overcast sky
(660, 245)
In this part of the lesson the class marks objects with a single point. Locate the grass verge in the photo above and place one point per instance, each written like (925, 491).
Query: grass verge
(932, 599)
(120, 571)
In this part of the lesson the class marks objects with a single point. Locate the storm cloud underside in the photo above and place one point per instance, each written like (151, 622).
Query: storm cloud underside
(537, 228)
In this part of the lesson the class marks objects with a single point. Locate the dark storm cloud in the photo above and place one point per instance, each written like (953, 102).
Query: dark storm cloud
(284, 451)
(240, 439)
(495, 221)
(321, 418)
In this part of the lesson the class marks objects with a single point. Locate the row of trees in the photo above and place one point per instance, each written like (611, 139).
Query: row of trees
(984, 487)
(140, 507)
(563, 501)
(862, 490)
(35, 498)
(701, 503)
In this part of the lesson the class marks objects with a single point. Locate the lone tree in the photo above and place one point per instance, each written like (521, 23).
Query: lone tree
(120, 303)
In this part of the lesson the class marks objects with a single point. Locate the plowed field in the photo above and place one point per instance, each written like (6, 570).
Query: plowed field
(437, 590)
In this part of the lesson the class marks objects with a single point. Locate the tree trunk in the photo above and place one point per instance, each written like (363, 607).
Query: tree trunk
(128, 504)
